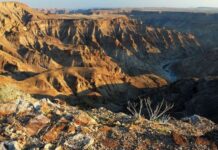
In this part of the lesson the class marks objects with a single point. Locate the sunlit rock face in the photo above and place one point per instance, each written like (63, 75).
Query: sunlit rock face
(65, 81)
(97, 56)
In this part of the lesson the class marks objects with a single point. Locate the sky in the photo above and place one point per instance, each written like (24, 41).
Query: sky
(77, 4)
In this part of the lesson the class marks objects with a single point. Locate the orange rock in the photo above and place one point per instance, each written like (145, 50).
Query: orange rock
(142, 146)
(105, 129)
(63, 120)
(179, 139)
(72, 129)
(134, 127)
(7, 109)
(45, 108)
(36, 124)
(85, 130)
(110, 143)
(214, 146)
(84, 119)
(202, 141)
(53, 134)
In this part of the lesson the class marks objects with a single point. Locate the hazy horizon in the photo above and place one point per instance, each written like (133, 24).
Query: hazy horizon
(86, 4)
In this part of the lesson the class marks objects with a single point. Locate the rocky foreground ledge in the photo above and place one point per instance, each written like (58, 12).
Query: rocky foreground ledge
(46, 124)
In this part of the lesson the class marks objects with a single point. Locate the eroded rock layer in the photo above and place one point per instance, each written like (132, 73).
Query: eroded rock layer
(77, 55)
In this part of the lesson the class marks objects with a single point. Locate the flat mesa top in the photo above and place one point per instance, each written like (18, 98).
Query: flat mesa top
(81, 16)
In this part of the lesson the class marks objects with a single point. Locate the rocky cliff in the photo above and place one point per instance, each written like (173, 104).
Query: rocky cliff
(202, 23)
(73, 72)
(75, 55)
(190, 96)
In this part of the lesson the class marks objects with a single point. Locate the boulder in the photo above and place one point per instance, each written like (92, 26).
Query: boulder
(179, 139)
(36, 124)
(199, 122)
(53, 133)
(84, 119)
(19, 106)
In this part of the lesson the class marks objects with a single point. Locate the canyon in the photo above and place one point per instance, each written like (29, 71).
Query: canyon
(100, 60)
(100, 56)
(95, 59)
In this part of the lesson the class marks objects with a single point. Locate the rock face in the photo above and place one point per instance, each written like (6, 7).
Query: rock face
(190, 96)
(79, 56)
(199, 66)
(202, 24)
(94, 61)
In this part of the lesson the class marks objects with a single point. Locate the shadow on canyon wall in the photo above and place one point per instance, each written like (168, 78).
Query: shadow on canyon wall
(189, 96)
(113, 96)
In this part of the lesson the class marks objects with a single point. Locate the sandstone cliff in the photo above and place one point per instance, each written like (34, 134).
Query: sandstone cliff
(35, 48)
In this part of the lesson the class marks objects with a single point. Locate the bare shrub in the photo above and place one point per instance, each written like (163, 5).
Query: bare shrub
(160, 110)
(155, 114)
(136, 112)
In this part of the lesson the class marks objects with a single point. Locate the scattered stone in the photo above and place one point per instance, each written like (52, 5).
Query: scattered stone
(68, 116)
(54, 133)
(84, 119)
(105, 129)
(59, 148)
(7, 109)
(110, 143)
(13, 145)
(202, 141)
(48, 146)
(86, 130)
(18, 107)
(34, 142)
(79, 142)
(68, 127)
(72, 129)
(63, 120)
(37, 106)
(23, 106)
(45, 108)
(112, 134)
(36, 124)
(196, 119)
(179, 139)
(199, 122)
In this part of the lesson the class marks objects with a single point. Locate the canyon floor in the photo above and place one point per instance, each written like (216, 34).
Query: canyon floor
(66, 79)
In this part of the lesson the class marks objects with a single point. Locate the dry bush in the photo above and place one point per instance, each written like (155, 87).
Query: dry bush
(136, 112)
(157, 113)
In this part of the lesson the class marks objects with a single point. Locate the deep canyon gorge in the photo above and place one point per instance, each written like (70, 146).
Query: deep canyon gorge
(107, 58)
